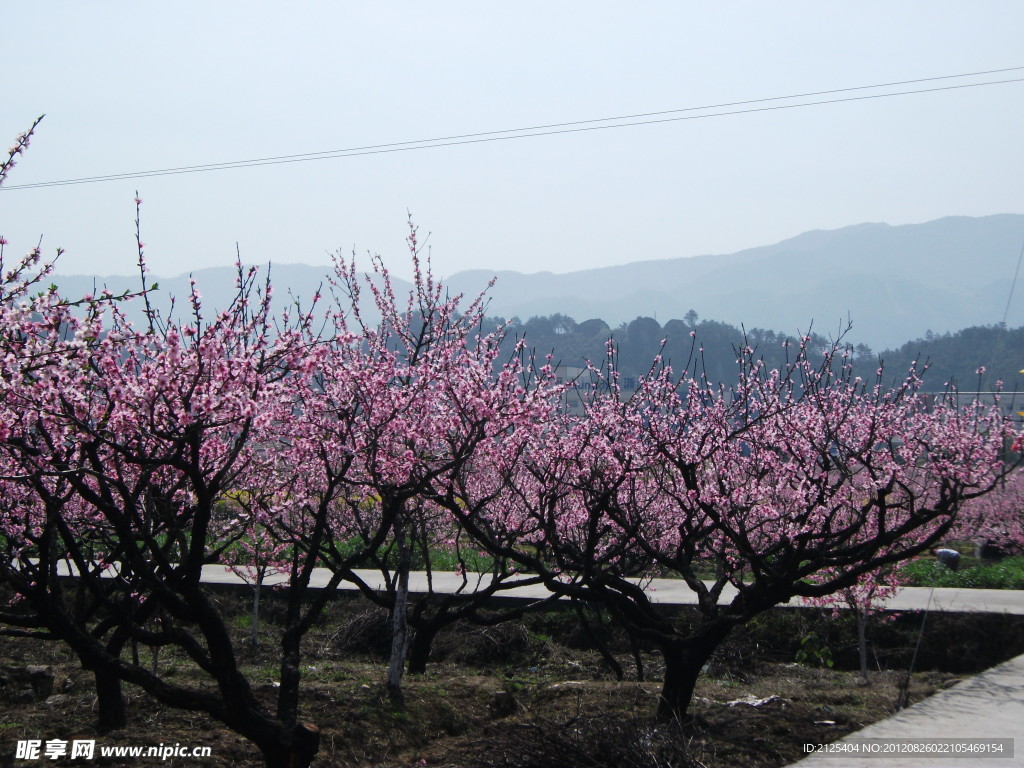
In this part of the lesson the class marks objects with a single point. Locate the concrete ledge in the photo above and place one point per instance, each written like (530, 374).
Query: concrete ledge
(988, 706)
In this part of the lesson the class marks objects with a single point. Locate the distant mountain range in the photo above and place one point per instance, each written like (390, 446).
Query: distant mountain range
(894, 282)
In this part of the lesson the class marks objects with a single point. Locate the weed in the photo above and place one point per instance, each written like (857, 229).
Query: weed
(814, 651)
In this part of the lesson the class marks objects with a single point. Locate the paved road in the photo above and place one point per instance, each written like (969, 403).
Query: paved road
(675, 591)
(987, 707)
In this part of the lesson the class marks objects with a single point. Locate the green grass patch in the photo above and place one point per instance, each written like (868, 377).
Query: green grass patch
(447, 560)
(1005, 574)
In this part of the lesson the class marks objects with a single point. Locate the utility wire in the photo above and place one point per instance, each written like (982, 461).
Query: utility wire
(997, 348)
(578, 126)
(1013, 285)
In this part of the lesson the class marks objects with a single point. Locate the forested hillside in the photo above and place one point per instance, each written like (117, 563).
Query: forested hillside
(973, 358)
(708, 345)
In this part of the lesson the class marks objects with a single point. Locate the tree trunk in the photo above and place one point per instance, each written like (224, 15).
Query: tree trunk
(305, 743)
(681, 672)
(862, 644)
(399, 614)
(684, 661)
(109, 702)
(254, 624)
(419, 650)
(634, 644)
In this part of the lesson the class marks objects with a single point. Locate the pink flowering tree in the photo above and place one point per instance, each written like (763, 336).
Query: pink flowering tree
(35, 322)
(996, 520)
(404, 400)
(117, 449)
(866, 598)
(797, 483)
(256, 554)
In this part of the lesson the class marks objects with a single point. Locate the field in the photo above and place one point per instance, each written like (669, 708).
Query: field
(535, 694)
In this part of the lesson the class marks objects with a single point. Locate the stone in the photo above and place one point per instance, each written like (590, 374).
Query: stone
(36, 679)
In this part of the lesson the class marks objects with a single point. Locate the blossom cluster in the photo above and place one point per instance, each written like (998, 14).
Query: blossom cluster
(135, 456)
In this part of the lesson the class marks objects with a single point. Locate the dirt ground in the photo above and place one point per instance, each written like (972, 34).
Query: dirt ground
(511, 698)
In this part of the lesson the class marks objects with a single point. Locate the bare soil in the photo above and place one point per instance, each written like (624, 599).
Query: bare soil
(508, 696)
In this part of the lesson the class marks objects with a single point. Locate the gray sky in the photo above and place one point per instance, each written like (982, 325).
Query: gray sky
(130, 86)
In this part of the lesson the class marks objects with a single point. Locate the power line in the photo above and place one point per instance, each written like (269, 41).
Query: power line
(550, 129)
(1013, 285)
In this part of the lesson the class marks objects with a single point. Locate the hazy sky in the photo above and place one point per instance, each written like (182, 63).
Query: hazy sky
(130, 86)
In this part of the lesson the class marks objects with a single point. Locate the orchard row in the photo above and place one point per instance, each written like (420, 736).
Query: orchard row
(322, 437)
